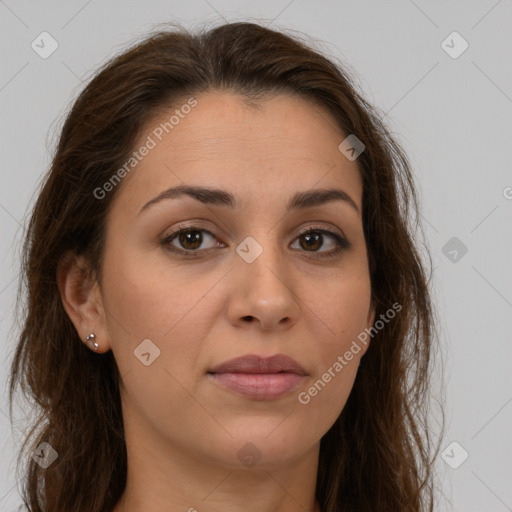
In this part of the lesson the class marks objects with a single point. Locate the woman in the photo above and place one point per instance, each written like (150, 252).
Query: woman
(226, 309)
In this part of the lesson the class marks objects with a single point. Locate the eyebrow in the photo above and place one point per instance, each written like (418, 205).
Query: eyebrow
(217, 197)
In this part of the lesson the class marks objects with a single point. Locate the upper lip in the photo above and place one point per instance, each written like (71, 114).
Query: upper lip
(253, 363)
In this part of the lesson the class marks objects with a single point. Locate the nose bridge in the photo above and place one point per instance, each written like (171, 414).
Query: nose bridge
(264, 290)
(265, 266)
(261, 254)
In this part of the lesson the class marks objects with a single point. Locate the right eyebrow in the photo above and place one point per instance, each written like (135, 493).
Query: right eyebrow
(203, 194)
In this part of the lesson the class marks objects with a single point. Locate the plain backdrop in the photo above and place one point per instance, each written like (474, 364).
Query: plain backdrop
(451, 111)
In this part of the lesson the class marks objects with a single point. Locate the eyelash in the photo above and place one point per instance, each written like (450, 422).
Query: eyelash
(341, 242)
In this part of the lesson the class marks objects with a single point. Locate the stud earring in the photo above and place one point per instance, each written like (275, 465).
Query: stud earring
(90, 339)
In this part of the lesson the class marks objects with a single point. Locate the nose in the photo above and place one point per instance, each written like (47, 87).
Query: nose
(262, 292)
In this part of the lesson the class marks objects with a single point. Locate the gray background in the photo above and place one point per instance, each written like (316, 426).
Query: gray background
(453, 117)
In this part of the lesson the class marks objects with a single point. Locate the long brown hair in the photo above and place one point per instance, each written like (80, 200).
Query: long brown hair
(379, 453)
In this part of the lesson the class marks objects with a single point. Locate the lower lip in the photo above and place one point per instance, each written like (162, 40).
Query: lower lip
(259, 386)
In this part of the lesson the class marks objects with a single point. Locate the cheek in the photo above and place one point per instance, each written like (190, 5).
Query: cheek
(172, 308)
(340, 312)
(326, 394)
(148, 299)
(145, 303)
(342, 307)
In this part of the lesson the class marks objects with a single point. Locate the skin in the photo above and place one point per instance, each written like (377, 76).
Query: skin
(183, 431)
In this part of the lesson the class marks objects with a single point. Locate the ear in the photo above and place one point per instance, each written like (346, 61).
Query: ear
(82, 299)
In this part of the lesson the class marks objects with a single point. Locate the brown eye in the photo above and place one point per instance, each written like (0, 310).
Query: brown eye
(314, 240)
(311, 241)
(190, 240)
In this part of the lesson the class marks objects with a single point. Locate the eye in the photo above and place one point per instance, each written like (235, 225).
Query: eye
(313, 239)
(187, 240)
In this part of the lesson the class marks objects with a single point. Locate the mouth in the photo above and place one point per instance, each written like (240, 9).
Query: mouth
(259, 378)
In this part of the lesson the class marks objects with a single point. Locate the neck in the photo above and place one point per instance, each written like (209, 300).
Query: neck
(159, 482)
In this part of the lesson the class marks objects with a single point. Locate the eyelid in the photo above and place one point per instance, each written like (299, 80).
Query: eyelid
(184, 226)
(319, 227)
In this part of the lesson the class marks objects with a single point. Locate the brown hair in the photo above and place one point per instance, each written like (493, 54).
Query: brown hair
(377, 455)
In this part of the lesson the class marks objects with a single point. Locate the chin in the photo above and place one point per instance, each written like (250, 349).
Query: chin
(263, 446)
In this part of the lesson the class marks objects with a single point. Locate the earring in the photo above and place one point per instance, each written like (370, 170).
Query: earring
(91, 338)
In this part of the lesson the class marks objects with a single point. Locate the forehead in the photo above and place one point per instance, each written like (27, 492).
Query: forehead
(278, 146)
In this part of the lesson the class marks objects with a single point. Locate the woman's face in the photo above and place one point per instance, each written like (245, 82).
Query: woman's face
(244, 280)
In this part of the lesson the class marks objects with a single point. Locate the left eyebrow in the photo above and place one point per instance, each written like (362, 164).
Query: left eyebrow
(217, 197)
(319, 196)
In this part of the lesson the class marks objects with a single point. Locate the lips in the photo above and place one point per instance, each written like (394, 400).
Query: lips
(256, 364)
(259, 378)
